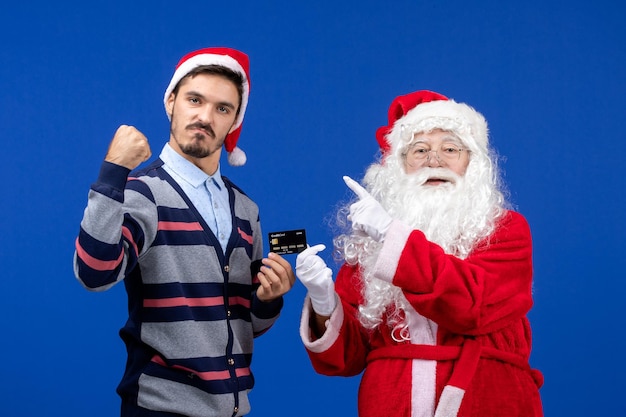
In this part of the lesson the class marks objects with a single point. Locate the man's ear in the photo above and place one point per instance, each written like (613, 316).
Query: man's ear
(170, 104)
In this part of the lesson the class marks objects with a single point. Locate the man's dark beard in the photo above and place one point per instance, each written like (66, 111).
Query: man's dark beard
(195, 149)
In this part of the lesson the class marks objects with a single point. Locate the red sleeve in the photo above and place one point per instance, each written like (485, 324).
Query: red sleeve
(480, 294)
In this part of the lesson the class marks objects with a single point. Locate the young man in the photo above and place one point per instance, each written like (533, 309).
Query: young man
(431, 300)
(187, 243)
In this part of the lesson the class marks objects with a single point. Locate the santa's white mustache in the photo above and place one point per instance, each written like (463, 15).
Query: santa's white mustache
(426, 174)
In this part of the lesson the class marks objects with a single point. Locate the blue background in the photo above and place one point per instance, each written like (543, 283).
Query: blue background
(548, 76)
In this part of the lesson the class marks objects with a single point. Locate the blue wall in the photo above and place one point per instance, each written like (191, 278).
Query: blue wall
(549, 79)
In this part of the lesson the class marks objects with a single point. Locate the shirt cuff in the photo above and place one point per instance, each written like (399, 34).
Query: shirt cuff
(112, 180)
(266, 310)
(330, 336)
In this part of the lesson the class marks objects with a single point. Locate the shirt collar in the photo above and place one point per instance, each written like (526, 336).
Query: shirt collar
(186, 170)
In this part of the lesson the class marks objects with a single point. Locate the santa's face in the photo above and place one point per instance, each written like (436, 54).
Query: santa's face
(436, 149)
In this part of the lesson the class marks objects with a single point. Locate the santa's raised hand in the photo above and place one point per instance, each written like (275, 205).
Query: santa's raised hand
(367, 215)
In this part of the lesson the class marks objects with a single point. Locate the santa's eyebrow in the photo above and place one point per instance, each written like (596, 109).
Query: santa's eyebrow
(448, 139)
(451, 137)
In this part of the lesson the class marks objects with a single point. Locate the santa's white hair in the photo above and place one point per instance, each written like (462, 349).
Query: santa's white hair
(455, 215)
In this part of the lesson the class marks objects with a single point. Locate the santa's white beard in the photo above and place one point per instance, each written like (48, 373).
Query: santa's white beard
(455, 215)
(437, 210)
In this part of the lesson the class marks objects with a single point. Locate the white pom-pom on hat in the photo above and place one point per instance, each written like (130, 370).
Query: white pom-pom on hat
(237, 157)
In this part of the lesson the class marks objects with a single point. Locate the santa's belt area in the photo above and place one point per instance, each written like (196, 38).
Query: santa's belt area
(467, 357)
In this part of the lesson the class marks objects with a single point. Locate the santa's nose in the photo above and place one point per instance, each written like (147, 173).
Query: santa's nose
(433, 159)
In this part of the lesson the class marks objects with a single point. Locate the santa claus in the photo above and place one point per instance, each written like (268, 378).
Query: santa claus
(432, 298)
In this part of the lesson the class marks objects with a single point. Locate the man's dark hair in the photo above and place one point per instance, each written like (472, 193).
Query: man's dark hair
(219, 70)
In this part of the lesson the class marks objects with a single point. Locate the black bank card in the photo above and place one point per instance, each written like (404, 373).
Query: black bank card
(289, 241)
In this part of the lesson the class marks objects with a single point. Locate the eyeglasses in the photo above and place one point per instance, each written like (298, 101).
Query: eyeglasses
(448, 152)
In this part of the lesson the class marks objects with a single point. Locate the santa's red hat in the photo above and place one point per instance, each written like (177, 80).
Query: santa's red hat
(232, 59)
(423, 111)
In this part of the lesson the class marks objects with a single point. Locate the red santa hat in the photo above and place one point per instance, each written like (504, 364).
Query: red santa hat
(232, 59)
(423, 111)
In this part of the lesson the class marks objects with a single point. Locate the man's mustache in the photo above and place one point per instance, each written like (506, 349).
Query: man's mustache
(198, 125)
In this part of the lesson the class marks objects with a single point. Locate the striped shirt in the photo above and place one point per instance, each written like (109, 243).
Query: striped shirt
(193, 310)
(207, 193)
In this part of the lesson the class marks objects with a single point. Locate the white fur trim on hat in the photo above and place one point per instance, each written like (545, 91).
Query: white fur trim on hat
(463, 120)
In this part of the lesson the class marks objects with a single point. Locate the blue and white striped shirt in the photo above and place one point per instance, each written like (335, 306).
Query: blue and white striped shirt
(208, 193)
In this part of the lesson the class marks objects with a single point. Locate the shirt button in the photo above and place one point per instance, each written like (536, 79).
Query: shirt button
(231, 361)
(226, 268)
(236, 409)
(228, 313)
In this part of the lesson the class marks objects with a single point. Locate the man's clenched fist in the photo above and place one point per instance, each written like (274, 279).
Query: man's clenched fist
(129, 148)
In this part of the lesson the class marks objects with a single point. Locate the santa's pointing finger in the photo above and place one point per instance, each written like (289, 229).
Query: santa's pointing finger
(356, 187)
(367, 215)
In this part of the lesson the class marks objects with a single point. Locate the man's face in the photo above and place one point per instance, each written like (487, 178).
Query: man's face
(450, 154)
(203, 112)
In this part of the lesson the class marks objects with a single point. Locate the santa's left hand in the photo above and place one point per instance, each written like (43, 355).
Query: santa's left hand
(367, 215)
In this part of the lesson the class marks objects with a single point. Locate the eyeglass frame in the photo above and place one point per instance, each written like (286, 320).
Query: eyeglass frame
(424, 155)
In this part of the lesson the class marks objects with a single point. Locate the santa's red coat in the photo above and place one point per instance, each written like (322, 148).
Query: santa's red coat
(470, 339)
